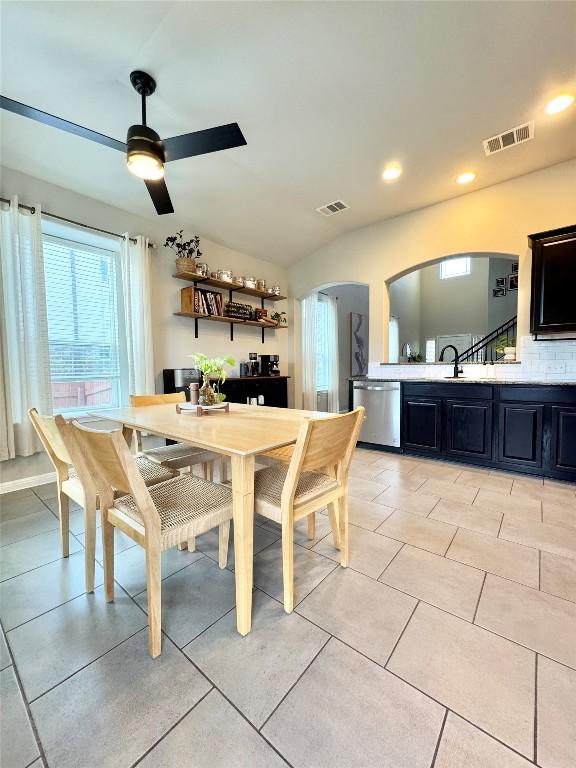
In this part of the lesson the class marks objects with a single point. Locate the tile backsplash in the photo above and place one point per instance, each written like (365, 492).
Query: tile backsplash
(545, 360)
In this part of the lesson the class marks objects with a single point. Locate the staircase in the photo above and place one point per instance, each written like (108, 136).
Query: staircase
(484, 350)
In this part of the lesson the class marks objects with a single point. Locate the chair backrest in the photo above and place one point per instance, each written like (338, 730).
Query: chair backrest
(172, 397)
(114, 469)
(52, 441)
(325, 444)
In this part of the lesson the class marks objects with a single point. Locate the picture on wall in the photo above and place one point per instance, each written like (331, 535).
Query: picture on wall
(358, 344)
(515, 267)
(499, 291)
(500, 282)
(513, 282)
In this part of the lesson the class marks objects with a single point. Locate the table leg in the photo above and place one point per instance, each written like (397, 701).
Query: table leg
(243, 515)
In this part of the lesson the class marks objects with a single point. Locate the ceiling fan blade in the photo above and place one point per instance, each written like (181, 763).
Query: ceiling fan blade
(160, 197)
(203, 142)
(58, 122)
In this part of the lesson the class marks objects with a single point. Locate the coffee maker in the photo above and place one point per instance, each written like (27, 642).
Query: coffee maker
(269, 365)
(253, 367)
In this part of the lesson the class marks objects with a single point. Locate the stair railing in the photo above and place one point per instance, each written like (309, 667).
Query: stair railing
(484, 350)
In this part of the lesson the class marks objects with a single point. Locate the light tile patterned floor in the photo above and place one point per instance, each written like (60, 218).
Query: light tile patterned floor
(448, 643)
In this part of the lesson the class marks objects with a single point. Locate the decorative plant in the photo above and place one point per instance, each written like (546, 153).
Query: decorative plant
(505, 341)
(213, 368)
(185, 249)
(279, 318)
(415, 357)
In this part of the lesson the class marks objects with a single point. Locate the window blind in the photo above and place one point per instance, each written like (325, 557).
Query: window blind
(82, 294)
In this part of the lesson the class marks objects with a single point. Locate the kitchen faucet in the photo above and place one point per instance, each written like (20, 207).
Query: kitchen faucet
(457, 369)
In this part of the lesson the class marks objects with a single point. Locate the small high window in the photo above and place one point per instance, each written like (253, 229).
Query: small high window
(458, 267)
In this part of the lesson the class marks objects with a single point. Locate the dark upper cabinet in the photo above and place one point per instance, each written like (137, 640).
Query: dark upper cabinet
(520, 434)
(469, 428)
(422, 424)
(563, 439)
(553, 303)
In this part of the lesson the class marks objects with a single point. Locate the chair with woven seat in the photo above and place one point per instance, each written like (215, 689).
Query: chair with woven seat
(70, 486)
(315, 477)
(180, 455)
(156, 518)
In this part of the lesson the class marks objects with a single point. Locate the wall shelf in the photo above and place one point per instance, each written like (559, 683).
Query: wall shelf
(231, 288)
(226, 286)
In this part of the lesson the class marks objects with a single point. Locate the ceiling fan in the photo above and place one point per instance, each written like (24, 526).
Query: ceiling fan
(145, 151)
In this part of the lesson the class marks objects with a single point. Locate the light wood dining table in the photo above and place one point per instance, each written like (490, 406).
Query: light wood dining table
(242, 433)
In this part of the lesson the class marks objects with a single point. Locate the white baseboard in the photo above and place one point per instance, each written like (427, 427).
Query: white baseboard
(27, 482)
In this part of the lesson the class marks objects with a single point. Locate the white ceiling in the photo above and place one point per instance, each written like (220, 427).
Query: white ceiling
(326, 94)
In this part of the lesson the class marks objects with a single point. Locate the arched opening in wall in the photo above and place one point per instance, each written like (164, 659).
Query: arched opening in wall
(334, 322)
(468, 300)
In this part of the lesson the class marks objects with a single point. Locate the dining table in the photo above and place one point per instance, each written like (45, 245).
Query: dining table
(242, 432)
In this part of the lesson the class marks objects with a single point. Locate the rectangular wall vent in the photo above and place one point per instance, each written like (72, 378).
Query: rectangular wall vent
(510, 138)
(331, 208)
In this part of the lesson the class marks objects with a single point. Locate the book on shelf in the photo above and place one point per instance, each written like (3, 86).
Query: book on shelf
(200, 301)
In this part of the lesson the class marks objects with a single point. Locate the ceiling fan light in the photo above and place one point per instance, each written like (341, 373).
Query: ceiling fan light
(145, 165)
(145, 153)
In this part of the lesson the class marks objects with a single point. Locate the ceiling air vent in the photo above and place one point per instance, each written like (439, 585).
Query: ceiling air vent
(332, 208)
(510, 138)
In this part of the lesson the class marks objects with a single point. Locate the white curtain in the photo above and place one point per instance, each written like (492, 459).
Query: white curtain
(135, 257)
(332, 352)
(24, 350)
(309, 398)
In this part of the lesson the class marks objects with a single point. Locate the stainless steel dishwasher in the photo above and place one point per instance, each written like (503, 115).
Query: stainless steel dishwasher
(381, 399)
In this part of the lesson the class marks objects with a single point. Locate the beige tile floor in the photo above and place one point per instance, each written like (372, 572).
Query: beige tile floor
(450, 642)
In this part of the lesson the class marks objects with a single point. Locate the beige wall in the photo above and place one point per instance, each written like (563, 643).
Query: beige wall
(496, 219)
(173, 336)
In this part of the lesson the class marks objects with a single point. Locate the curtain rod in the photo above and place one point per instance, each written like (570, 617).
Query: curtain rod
(32, 209)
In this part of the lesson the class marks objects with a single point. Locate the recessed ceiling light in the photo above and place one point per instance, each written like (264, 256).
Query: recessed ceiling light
(392, 172)
(559, 104)
(466, 178)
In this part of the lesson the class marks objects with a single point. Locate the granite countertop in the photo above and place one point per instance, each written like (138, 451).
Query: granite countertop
(467, 380)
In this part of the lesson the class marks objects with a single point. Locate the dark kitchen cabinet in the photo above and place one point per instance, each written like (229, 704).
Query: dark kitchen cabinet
(552, 307)
(523, 427)
(469, 428)
(422, 424)
(562, 455)
(520, 432)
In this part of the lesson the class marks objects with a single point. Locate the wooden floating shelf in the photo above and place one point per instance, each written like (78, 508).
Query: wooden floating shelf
(230, 320)
(226, 286)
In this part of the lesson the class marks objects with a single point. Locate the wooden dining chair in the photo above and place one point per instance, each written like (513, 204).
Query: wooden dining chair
(179, 455)
(70, 486)
(315, 477)
(156, 518)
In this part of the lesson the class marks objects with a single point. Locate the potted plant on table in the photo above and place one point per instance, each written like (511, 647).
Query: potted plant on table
(506, 345)
(187, 252)
(213, 376)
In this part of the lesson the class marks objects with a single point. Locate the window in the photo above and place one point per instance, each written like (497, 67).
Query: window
(430, 350)
(322, 346)
(458, 267)
(393, 340)
(85, 325)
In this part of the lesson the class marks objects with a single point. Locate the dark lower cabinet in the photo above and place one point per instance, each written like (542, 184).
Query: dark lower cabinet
(563, 439)
(520, 432)
(469, 428)
(422, 420)
(523, 427)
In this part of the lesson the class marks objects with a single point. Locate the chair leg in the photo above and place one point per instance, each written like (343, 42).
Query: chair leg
(205, 469)
(182, 546)
(311, 525)
(153, 585)
(223, 539)
(343, 520)
(192, 544)
(333, 517)
(108, 555)
(288, 564)
(211, 471)
(64, 517)
(90, 542)
(223, 470)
